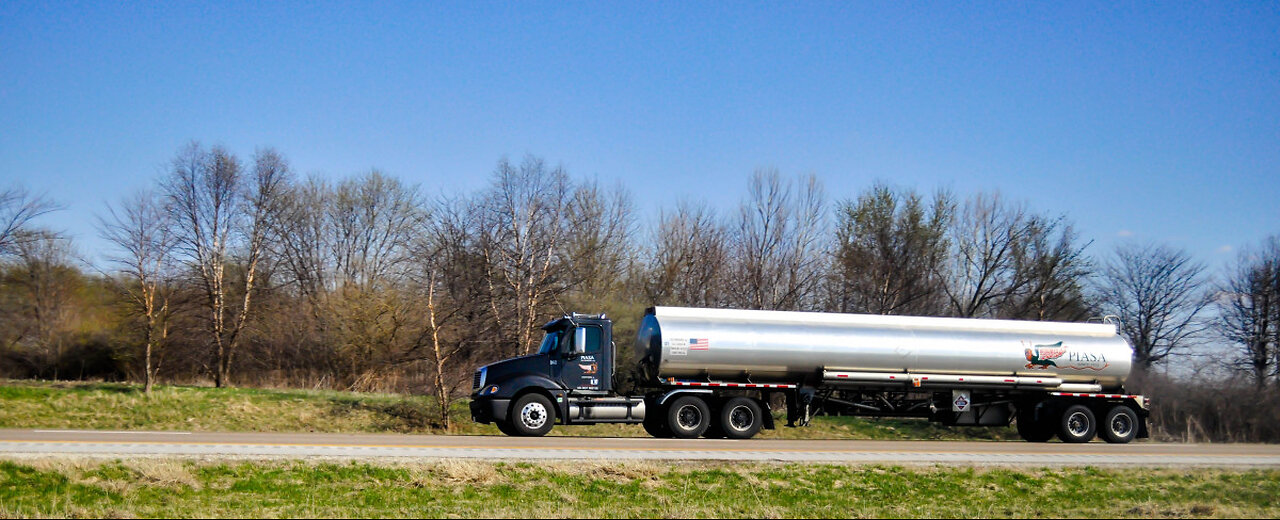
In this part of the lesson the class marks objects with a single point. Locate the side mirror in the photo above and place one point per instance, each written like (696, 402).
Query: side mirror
(579, 341)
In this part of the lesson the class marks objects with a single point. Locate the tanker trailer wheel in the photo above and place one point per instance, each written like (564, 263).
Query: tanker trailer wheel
(688, 417)
(1032, 430)
(532, 415)
(1120, 425)
(1077, 424)
(740, 418)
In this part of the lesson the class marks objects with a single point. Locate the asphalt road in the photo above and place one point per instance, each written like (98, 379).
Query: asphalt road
(131, 443)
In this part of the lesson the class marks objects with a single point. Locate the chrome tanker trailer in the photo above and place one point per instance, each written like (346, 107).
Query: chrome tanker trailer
(715, 373)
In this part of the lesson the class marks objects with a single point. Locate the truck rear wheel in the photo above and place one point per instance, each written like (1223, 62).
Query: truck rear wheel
(1078, 424)
(1032, 430)
(655, 421)
(740, 418)
(532, 415)
(1120, 425)
(688, 417)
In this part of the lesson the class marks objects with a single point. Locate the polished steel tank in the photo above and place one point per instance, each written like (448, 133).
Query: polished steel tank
(811, 347)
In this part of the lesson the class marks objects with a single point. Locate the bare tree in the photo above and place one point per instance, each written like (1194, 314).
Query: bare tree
(143, 233)
(1050, 274)
(600, 247)
(690, 252)
(17, 208)
(987, 234)
(890, 250)
(522, 233)
(1248, 305)
(203, 195)
(300, 236)
(261, 200)
(777, 246)
(46, 281)
(373, 219)
(451, 271)
(213, 207)
(1156, 292)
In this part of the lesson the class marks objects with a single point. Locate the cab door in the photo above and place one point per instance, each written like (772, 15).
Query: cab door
(585, 362)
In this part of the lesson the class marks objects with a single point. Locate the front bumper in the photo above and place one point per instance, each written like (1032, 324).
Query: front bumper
(485, 410)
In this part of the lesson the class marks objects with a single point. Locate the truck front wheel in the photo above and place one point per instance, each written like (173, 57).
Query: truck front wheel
(532, 415)
(688, 417)
(505, 427)
(1078, 424)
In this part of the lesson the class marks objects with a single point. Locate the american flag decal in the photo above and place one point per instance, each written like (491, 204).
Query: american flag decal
(699, 344)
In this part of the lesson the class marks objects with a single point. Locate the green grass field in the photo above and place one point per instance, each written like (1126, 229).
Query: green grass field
(51, 487)
(114, 406)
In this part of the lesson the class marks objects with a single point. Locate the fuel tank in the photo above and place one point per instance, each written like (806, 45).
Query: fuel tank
(777, 346)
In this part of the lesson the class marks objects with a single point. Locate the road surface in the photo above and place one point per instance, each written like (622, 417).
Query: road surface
(132, 443)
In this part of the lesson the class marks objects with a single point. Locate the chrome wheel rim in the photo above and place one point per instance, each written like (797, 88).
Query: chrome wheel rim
(533, 415)
(689, 417)
(741, 418)
(1121, 425)
(1078, 424)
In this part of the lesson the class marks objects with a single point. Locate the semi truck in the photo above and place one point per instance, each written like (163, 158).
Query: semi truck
(717, 373)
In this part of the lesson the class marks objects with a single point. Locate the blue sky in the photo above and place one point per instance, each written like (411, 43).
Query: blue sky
(1140, 121)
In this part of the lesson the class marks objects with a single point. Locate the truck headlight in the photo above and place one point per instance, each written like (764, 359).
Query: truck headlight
(492, 389)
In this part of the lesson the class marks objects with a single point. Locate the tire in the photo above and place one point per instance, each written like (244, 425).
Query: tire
(532, 416)
(688, 417)
(1032, 430)
(655, 421)
(505, 427)
(740, 418)
(1077, 424)
(1120, 425)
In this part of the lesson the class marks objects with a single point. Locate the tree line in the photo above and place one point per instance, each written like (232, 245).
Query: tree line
(240, 271)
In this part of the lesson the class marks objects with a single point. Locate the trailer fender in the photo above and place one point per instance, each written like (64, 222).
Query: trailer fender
(682, 391)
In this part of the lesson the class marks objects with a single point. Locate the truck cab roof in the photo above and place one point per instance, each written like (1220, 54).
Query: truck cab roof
(573, 319)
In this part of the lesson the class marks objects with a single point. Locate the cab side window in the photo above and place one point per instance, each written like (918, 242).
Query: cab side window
(593, 340)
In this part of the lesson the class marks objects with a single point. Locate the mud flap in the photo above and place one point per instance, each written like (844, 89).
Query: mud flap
(768, 413)
(798, 407)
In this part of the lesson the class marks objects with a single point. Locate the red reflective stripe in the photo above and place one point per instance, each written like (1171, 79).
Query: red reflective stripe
(1103, 396)
(842, 375)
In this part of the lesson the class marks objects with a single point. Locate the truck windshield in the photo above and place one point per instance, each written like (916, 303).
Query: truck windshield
(550, 342)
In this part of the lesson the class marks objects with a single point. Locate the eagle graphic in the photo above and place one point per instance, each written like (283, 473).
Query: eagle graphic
(1042, 356)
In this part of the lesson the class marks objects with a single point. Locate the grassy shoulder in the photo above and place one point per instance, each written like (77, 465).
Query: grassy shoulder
(116, 406)
(265, 489)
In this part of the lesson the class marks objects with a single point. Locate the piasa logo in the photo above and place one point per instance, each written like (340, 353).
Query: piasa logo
(1056, 355)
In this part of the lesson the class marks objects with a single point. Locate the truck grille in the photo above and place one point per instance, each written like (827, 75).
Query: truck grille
(479, 380)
